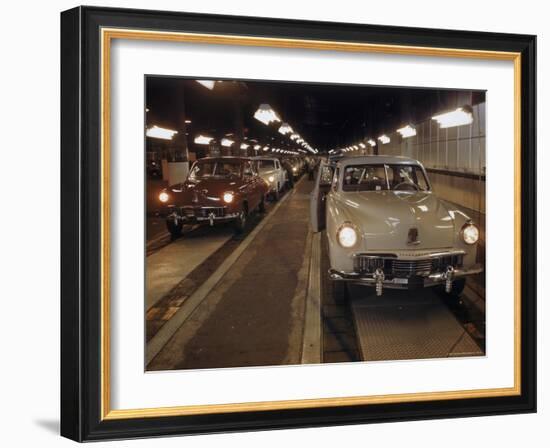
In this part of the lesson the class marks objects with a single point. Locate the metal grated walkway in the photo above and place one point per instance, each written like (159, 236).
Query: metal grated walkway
(398, 326)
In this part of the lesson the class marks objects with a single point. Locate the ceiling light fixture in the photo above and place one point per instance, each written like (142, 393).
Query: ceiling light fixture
(209, 84)
(162, 133)
(285, 129)
(458, 117)
(203, 140)
(407, 131)
(266, 114)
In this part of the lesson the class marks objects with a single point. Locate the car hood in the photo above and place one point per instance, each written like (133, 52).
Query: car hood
(388, 220)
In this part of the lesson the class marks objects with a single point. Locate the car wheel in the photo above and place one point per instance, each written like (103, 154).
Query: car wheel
(240, 223)
(276, 194)
(261, 205)
(340, 293)
(174, 229)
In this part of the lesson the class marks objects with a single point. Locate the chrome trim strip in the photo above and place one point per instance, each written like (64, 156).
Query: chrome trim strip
(408, 257)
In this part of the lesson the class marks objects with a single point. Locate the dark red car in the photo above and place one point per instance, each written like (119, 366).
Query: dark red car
(218, 189)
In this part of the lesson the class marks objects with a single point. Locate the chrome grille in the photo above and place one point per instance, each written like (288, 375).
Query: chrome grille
(395, 267)
(188, 211)
(203, 212)
(369, 264)
(406, 268)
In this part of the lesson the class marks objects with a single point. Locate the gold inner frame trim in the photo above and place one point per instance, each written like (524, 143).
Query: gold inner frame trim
(107, 35)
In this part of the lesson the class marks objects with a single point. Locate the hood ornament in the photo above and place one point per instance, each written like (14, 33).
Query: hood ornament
(412, 238)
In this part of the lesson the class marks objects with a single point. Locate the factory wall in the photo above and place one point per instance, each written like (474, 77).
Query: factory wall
(454, 157)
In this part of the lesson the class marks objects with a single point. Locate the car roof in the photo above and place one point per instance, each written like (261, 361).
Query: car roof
(377, 159)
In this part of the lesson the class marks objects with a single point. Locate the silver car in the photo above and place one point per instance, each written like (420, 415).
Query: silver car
(271, 171)
(387, 229)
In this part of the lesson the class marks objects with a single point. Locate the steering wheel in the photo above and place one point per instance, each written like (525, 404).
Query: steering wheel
(406, 184)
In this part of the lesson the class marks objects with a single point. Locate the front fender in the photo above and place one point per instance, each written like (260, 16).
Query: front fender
(460, 218)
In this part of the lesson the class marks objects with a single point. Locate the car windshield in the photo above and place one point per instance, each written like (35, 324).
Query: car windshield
(218, 169)
(265, 165)
(397, 177)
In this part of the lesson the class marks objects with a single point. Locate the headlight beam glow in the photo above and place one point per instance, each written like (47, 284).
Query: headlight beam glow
(163, 196)
(228, 197)
(470, 233)
(347, 235)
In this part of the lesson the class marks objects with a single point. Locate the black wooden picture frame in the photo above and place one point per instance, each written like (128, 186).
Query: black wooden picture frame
(81, 208)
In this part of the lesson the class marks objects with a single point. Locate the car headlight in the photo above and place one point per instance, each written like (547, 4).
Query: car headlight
(163, 196)
(271, 179)
(470, 233)
(294, 169)
(347, 235)
(228, 197)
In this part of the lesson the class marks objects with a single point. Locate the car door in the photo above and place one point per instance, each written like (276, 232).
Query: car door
(318, 196)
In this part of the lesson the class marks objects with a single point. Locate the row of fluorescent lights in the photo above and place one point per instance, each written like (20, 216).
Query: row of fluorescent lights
(457, 117)
(407, 131)
(227, 143)
(266, 115)
(167, 134)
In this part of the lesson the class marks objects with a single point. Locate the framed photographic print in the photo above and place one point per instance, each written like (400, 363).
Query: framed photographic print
(275, 224)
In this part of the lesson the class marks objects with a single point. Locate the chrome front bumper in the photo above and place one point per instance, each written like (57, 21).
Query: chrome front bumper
(401, 282)
(390, 271)
(198, 215)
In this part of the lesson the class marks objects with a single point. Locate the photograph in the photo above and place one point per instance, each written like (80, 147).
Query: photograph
(272, 223)
(293, 223)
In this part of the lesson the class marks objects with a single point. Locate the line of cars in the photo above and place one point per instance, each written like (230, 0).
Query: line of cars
(296, 166)
(385, 227)
(227, 189)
